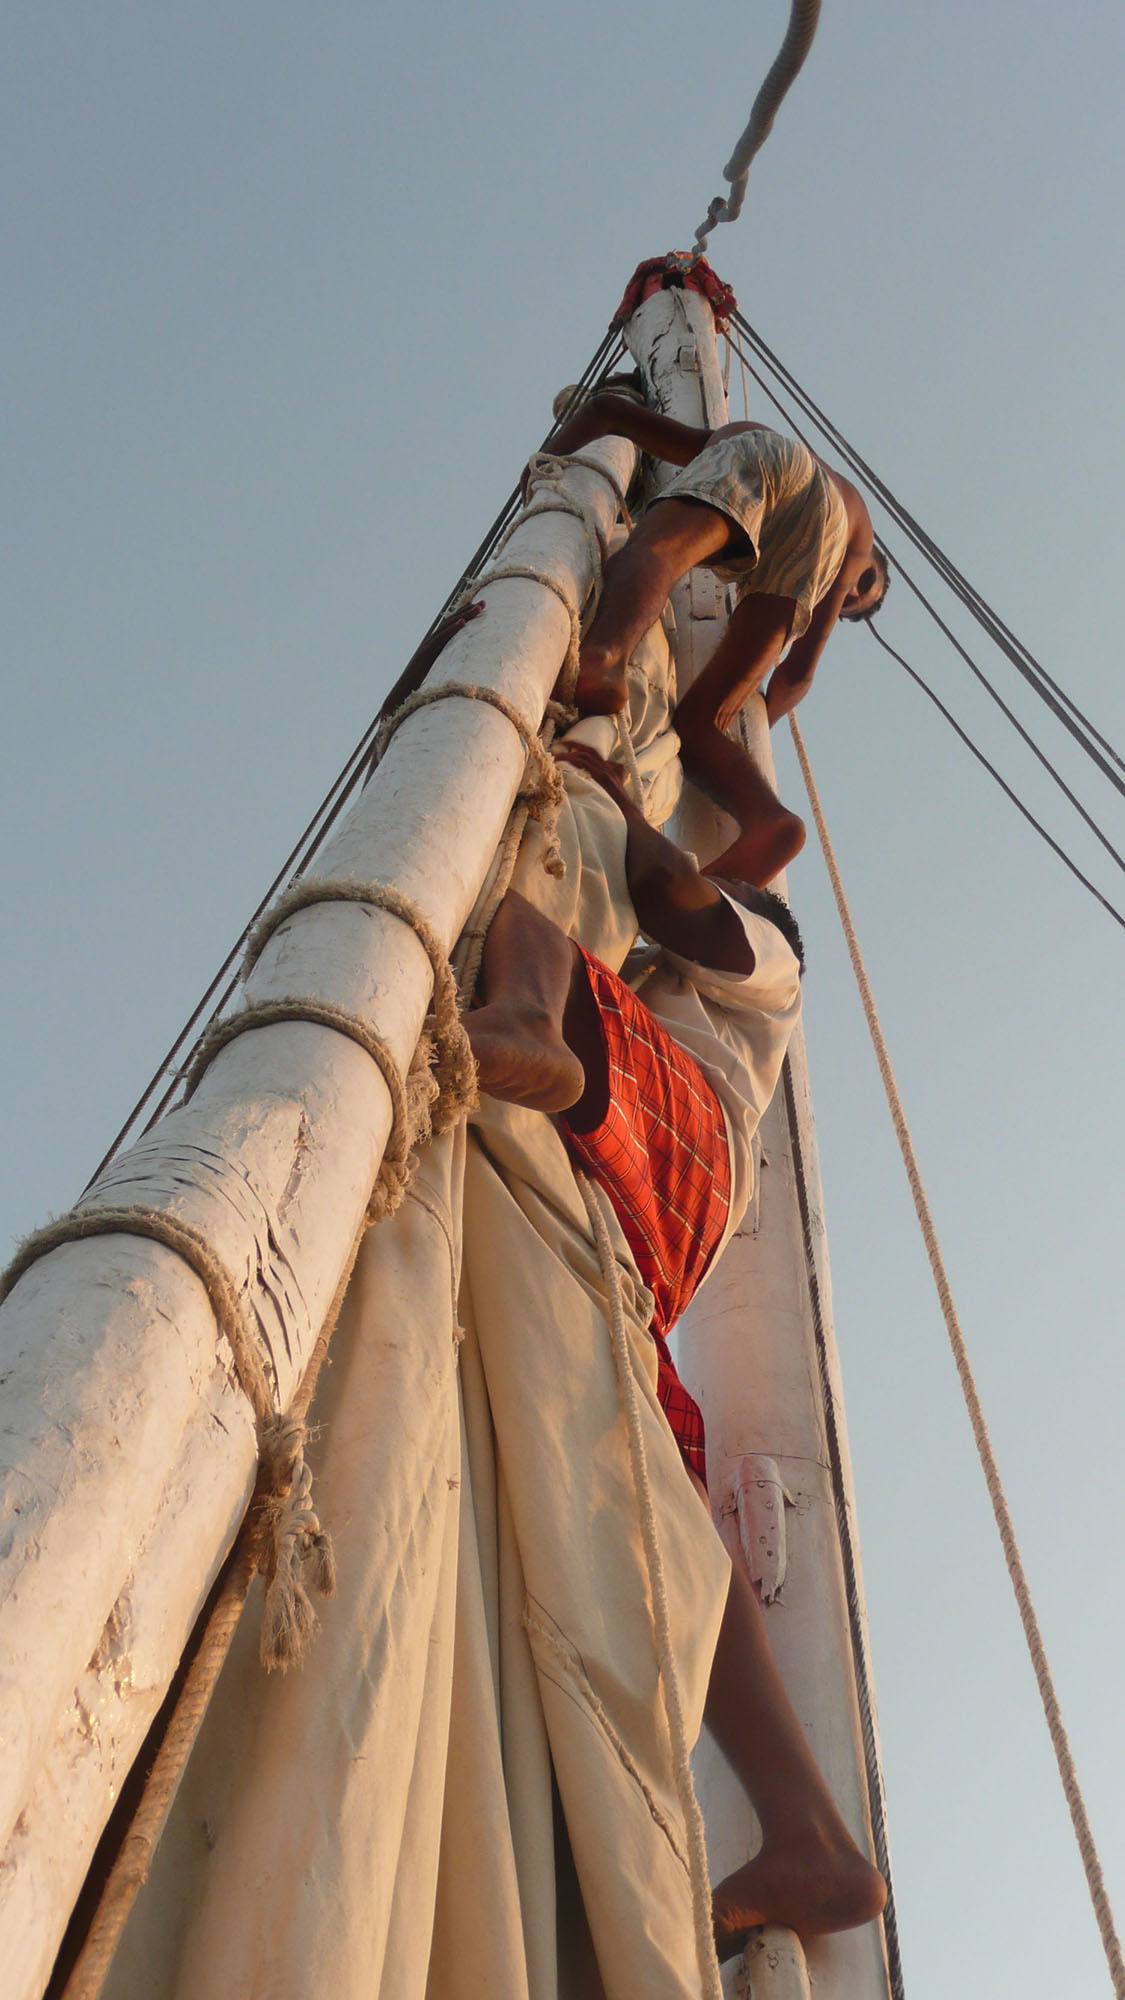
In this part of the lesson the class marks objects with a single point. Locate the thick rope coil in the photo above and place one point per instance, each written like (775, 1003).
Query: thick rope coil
(300, 1553)
(710, 1978)
(454, 1067)
(1064, 1758)
(542, 788)
(803, 18)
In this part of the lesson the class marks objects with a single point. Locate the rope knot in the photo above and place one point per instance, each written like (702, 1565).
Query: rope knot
(297, 1554)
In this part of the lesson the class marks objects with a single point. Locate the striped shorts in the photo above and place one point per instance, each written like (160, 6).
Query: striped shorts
(662, 1156)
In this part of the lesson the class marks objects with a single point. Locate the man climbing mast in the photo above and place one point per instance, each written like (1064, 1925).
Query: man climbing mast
(795, 539)
(659, 1104)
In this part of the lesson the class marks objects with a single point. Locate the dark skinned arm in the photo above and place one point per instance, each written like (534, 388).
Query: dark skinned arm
(794, 677)
(607, 415)
(676, 906)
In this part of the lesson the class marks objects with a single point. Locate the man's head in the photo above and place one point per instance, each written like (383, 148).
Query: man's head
(869, 589)
(764, 903)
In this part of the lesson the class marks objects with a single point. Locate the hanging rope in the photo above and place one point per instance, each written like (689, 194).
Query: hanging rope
(698, 1871)
(1063, 1756)
(803, 18)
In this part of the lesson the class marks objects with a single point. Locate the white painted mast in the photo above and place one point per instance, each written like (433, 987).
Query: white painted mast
(757, 1347)
(128, 1452)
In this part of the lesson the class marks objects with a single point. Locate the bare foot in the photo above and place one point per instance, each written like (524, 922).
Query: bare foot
(809, 1886)
(521, 1057)
(761, 851)
(602, 688)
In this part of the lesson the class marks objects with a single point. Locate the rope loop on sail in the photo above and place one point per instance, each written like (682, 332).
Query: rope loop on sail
(790, 58)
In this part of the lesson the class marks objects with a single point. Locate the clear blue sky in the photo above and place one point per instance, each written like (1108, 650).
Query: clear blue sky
(288, 292)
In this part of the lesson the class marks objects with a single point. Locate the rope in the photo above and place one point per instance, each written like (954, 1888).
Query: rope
(803, 17)
(665, 1655)
(292, 1536)
(542, 789)
(187, 1242)
(294, 1550)
(454, 1067)
(1028, 1618)
(1005, 787)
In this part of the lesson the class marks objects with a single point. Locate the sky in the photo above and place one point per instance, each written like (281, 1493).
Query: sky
(288, 293)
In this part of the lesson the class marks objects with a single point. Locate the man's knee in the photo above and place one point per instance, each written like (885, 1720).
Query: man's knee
(793, 835)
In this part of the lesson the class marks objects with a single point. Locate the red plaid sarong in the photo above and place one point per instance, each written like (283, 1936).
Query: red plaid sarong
(662, 1156)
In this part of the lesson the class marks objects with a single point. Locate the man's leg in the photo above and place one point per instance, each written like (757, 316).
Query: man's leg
(673, 536)
(769, 836)
(535, 1034)
(808, 1874)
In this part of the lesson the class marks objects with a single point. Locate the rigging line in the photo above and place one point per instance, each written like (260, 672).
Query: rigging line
(994, 773)
(970, 595)
(1056, 1728)
(972, 664)
(1013, 648)
(606, 356)
(968, 592)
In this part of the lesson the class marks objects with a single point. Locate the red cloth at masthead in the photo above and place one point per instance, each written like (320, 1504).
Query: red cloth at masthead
(660, 273)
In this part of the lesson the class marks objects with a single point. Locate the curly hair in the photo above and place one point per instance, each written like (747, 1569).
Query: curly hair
(882, 565)
(767, 903)
(777, 911)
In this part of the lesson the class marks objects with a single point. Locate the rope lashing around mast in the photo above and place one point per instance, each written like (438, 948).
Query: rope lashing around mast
(711, 1981)
(292, 1548)
(209, 1650)
(790, 58)
(542, 788)
(1063, 1755)
(454, 1068)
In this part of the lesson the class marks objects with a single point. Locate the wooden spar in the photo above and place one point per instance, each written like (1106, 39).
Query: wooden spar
(128, 1452)
(748, 1345)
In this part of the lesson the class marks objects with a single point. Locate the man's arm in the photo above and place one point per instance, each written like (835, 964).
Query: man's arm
(794, 677)
(676, 906)
(607, 415)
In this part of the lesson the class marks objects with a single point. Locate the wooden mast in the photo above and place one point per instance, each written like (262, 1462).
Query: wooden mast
(756, 1351)
(128, 1453)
